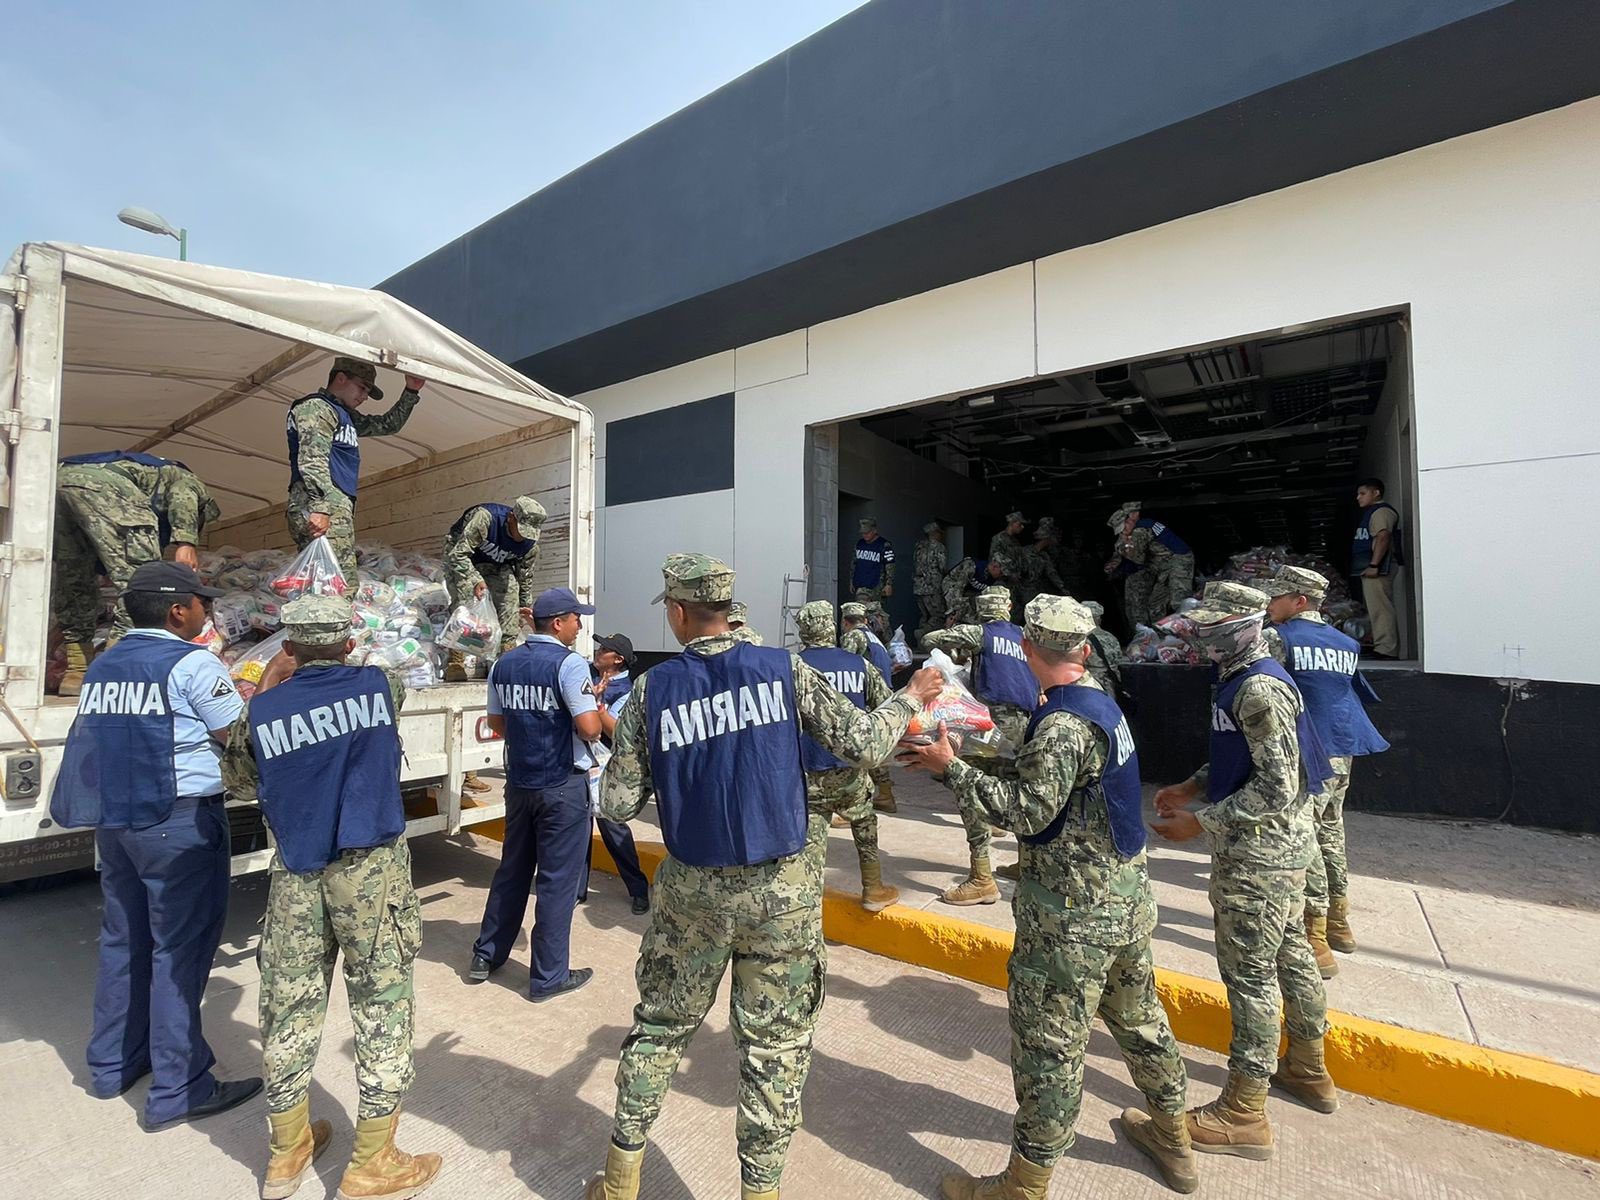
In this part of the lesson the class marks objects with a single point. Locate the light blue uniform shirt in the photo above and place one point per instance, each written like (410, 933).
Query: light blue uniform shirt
(203, 699)
(575, 694)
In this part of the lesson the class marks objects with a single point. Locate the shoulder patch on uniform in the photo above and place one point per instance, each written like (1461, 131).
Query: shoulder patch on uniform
(223, 688)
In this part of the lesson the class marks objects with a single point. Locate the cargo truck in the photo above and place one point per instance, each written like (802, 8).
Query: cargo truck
(102, 350)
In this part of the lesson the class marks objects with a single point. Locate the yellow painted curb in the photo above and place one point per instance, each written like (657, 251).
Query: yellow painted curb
(1515, 1094)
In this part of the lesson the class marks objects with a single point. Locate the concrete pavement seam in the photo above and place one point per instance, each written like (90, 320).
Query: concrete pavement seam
(1519, 1095)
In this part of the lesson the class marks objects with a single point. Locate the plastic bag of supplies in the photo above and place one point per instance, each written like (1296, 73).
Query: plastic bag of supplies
(473, 628)
(899, 652)
(962, 713)
(314, 571)
(247, 671)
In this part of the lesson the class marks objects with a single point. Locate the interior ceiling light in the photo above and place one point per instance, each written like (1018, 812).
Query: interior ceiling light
(979, 401)
(1016, 439)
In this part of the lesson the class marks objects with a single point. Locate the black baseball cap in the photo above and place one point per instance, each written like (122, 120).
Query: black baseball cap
(171, 577)
(618, 644)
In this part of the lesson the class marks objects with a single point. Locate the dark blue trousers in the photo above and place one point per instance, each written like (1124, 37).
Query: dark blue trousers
(547, 831)
(618, 839)
(165, 895)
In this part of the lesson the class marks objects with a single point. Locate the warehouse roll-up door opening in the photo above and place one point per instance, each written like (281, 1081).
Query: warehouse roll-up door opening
(1253, 443)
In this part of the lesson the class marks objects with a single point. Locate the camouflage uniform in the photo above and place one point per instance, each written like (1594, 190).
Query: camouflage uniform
(1165, 578)
(1106, 660)
(1084, 918)
(109, 518)
(960, 594)
(510, 584)
(867, 595)
(962, 642)
(739, 616)
(1261, 842)
(846, 791)
(855, 641)
(1039, 574)
(766, 919)
(363, 906)
(314, 492)
(1007, 551)
(928, 581)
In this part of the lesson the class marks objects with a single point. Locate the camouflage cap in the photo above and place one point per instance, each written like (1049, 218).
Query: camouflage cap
(814, 622)
(317, 620)
(994, 602)
(932, 527)
(1096, 609)
(1046, 528)
(363, 371)
(853, 611)
(1228, 601)
(530, 513)
(873, 607)
(1057, 622)
(1013, 517)
(1295, 581)
(738, 613)
(696, 578)
(1116, 519)
(867, 523)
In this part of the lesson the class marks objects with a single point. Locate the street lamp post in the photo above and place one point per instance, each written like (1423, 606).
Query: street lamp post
(149, 222)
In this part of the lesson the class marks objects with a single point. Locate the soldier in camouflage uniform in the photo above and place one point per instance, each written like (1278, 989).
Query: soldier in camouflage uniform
(1261, 842)
(1106, 657)
(1162, 565)
(962, 583)
(872, 571)
(964, 643)
(765, 917)
(1039, 572)
(1005, 548)
(477, 560)
(856, 620)
(350, 893)
(325, 456)
(845, 793)
(115, 512)
(1084, 914)
(739, 622)
(927, 579)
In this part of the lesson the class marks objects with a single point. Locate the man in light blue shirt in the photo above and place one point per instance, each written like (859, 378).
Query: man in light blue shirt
(541, 703)
(141, 765)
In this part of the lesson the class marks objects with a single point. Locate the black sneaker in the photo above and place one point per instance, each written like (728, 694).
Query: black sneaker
(229, 1094)
(574, 980)
(641, 905)
(479, 970)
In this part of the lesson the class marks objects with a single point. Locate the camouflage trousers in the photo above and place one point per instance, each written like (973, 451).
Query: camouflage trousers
(766, 922)
(1264, 957)
(503, 589)
(102, 521)
(1056, 988)
(930, 613)
(1013, 724)
(847, 792)
(1173, 580)
(341, 528)
(1328, 877)
(364, 907)
(871, 595)
(1136, 589)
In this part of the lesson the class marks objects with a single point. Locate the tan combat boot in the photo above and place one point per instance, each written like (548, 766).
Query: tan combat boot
(1317, 935)
(746, 1192)
(471, 783)
(1340, 936)
(1304, 1075)
(297, 1142)
(875, 895)
(1021, 1181)
(978, 887)
(838, 821)
(883, 798)
(620, 1180)
(1164, 1137)
(455, 667)
(78, 656)
(1011, 871)
(1235, 1122)
(379, 1168)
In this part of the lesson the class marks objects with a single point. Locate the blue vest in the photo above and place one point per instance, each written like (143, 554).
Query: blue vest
(327, 746)
(1322, 662)
(1230, 753)
(1000, 673)
(527, 682)
(847, 673)
(870, 558)
(119, 768)
(500, 547)
(1361, 551)
(878, 655)
(344, 456)
(615, 690)
(725, 756)
(1118, 785)
(1164, 535)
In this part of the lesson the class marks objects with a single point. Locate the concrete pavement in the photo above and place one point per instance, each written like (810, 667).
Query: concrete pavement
(910, 1078)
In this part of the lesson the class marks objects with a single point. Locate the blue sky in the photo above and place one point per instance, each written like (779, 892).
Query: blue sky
(342, 141)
